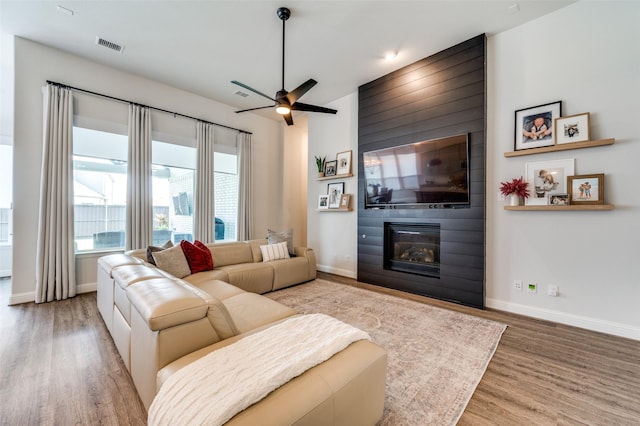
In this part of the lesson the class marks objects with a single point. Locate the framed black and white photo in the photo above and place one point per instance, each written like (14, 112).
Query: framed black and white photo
(534, 125)
(574, 128)
(559, 200)
(547, 178)
(330, 168)
(344, 163)
(323, 201)
(335, 190)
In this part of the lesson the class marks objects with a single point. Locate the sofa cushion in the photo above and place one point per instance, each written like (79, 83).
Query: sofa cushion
(274, 251)
(250, 311)
(203, 277)
(198, 258)
(275, 237)
(224, 254)
(173, 261)
(253, 277)
(153, 249)
(164, 302)
(217, 288)
(288, 272)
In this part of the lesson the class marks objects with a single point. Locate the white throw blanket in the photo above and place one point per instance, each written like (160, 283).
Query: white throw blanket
(213, 389)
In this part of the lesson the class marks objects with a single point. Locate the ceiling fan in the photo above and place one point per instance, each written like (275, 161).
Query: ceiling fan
(284, 101)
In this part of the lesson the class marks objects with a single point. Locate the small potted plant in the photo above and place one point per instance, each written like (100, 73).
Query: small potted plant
(320, 165)
(515, 190)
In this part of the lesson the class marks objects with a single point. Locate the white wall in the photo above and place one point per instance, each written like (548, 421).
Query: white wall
(332, 235)
(586, 55)
(35, 63)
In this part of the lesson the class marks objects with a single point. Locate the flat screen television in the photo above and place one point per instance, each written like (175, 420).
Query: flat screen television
(429, 174)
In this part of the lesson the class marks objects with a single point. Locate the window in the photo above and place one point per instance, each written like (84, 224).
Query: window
(226, 195)
(173, 173)
(100, 189)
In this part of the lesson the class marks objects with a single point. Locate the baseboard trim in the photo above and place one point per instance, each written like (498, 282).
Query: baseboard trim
(593, 324)
(28, 297)
(336, 271)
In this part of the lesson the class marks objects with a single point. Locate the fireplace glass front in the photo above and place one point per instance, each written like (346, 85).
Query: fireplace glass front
(412, 248)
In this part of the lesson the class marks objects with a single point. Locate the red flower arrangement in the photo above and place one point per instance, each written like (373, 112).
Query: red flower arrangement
(516, 186)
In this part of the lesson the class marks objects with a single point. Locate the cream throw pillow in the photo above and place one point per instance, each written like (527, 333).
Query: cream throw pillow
(274, 251)
(173, 261)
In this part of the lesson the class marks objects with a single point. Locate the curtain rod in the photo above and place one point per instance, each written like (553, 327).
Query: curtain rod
(66, 86)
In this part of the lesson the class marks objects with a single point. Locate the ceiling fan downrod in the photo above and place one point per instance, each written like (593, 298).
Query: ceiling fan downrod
(283, 14)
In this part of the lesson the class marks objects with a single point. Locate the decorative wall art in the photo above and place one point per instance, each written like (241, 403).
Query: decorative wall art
(586, 189)
(323, 201)
(335, 190)
(559, 200)
(534, 125)
(344, 163)
(574, 128)
(330, 168)
(345, 200)
(547, 178)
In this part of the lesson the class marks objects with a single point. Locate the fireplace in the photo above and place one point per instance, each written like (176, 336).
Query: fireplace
(412, 248)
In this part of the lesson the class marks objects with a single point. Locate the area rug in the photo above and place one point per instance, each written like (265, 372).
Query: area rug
(436, 357)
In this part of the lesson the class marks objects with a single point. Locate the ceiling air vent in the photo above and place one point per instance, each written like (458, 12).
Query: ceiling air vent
(109, 44)
(241, 93)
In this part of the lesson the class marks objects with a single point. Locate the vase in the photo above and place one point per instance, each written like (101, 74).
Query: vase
(320, 174)
(514, 200)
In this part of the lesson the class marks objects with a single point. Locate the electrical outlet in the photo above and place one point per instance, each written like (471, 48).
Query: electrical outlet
(517, 285)
(532, 287)
(552, 290)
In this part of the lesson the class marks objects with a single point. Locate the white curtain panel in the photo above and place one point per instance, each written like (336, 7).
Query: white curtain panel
(204, 206)
(55, 257)
(244, 186)
(139, 189)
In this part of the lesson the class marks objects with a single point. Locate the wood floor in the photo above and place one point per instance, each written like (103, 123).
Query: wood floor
(58, 366)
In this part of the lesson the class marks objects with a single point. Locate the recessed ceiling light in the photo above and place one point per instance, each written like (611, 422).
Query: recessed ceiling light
(65, 10)
(390, 55)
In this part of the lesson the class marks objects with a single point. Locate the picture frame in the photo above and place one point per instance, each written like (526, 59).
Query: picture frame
(344, 163)
(335, 191)
(547, 178)
(330, 168)
(534, 125)
(559, 200)
(345, 201)
(571, 129)
(586, 189)
(323, 201)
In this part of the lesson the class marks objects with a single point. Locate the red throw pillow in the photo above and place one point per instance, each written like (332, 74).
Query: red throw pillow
(198, 256)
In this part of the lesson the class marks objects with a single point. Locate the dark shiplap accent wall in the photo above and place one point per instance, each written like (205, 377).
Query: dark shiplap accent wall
(442, 95)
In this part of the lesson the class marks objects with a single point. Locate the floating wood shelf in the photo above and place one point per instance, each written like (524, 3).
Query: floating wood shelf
(334, 210)
(562, 147)
(574, 207)
(346, 175)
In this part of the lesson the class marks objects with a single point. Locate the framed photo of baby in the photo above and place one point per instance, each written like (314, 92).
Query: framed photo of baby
(586, 189)
(534, 125)
(547, 178)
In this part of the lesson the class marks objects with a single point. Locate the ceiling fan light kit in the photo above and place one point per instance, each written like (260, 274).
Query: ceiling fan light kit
(284, 101)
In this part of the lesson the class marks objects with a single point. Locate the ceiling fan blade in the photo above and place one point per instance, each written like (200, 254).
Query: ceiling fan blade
(251, 109)
(288, 118)
(297, 93)
(299, 106)
(253, 90)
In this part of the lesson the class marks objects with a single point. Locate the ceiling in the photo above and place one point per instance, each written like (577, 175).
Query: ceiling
(200, 46)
